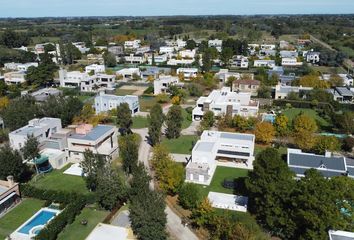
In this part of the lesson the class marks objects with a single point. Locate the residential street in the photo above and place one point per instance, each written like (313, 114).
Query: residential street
(174, 225)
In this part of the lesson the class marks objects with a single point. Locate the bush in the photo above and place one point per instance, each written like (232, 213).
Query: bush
(189, 196)
(162, 98)
(149, 90)
(348, 144)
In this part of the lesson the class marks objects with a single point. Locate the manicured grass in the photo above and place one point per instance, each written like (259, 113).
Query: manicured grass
(57, 180)
(146, 103)
(17, 216)
(186, 120)
(77, 231)
(293, 112)
(140, 122)
(123, 92)
(181, 145)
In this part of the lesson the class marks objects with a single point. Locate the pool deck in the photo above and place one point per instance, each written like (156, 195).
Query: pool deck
(17, 235)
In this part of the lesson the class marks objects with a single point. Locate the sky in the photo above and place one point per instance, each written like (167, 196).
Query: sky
(54, 8)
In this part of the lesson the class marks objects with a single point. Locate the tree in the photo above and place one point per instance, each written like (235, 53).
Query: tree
(169, 174)
(313, 81)
(304, 139)
(281, 124)
(155, 119)
(270, 186)
(226, 55)
(12, 39)
(124, 118)
(11, 163)
(190, 44)
(336, 81)
(110, 189)
(189, 196)
(230, 81)
(42, 75)
(265, 132)
(348, 144)
(109, 59)
(264, 92)
(304, 122)
(194, 90)
(31, 150)
(174, 121)
(327, 143)
(240, 123)
(346, 122)
(128, 151)
(208, 120)
(203, 213)
(92, 165)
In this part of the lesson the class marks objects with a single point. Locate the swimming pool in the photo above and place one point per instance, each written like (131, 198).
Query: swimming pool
(35, 224)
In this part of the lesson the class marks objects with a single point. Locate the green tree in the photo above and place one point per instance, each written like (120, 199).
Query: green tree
(203, 213)
(31, 150)
(92, 165)
(156, 119)
(174, 121)
(348, 144)
(270, 186)
(208, 120)
(189, 196)
(327, 143)
(346, 122)
(128, 151)
(11, 164)
(109, 59)
(226, 55)
(281, 124)
(124, 118)
(240, 123)
(190, 44)
(110, 189)
(304, 122)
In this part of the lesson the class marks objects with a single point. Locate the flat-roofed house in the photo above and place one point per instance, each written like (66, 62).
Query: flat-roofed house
(106, 102)
(226, 102)
(340, 235)
(162, 83)
(219, 148)
(102, 139)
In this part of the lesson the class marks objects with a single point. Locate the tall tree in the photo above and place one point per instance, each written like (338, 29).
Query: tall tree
(124, 118)
(11, 163)
(128, 151)
(31, 150)
(92, 165)
(174, 121)
(265, 132)
(281, 124)
(156, 119)
(109, 59)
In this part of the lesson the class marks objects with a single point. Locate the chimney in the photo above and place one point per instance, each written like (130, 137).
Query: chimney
(10, 181)
(328, 154)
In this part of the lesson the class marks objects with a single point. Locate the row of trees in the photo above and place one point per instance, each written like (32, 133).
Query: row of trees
(304, 209)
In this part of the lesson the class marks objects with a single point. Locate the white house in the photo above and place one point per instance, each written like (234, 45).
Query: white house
(85, 82)
(217, 43)
(106, 102)
(178, 44)
(142, 50)
(137, 59)
(224, 74)
(264, 63)
(226, 102)
(282, 91)
(219, 148)
(20, 66)
(175, 62)
(188, 73)
(102, 139)
(189, 54)
(134, 44)
(166, 50)
(290, 62)
(239, 61)
(162, 83)
(268, 46)
(127, 73)
(95, 68)
(288, 54)
(340, 235)
(312, 57)
(81, 46)
(158, 59)
(14, 77)
(42, 129)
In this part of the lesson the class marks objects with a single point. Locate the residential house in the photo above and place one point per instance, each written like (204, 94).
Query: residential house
(9, 195)
(188, 73)
(304, 42)
(340, 235)
(219, 148)
(81, 46)
(342, 94)
(116, 50)
(239, 61)
(23, 67)
(43, 94)
(135, 58)
(102, 139)
(246, 85)
(95, 68)
(268, 47)
(347, 79)
(284, 44)
(328, 164)
(217, 43)
(288, 54)
(268, 52)
(142, 50)
(11, 78)
(313, 57)
(178, 44)
(226, 102)
(106, 102)
(154, 72)
(175, 62)
(282, 91)
(264, 63)
(42, 129)
(134, 44)
(158, 59)
(162, 83)
(291, 62)
(128, 73)
(224, 74)
(187, 54)
(167, 50)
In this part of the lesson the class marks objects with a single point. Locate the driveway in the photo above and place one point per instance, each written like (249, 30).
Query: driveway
(122, 219)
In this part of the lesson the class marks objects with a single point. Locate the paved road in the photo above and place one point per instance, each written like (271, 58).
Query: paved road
(174, 225)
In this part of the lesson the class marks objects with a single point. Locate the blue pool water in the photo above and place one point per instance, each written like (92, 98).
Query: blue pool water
(41, 219)
(269, 118)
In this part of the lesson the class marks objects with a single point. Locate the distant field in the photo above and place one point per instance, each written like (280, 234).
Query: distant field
(36, 40)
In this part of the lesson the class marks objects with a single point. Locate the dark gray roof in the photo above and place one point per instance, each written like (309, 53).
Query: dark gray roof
(325, 173)
(343, 91)
(315, 161)
(338, 237)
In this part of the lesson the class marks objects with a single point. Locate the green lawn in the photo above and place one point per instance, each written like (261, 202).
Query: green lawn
(17, 216)
(181, 145)
(293, 112)
(57, 180)
(123, 92)
(76, 231)
(219, 176)
(186, 120)
(146, 103)
(140, 122)
(84, 98)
